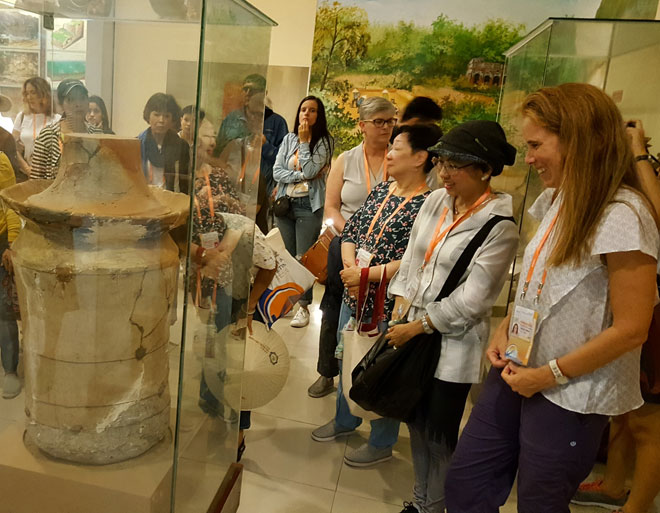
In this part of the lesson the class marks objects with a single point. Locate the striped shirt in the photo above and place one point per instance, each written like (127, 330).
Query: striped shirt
(48, 148)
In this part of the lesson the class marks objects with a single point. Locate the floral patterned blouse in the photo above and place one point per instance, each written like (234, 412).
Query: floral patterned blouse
(394, 240)
(225, 200)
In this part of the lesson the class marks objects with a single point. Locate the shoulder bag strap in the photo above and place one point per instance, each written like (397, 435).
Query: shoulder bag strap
(464, 260)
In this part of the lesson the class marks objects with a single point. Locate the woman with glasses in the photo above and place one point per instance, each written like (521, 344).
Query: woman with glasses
(353, 176)
(375, 237)
(585, 297)
(467, 157)
(37, 114)
(300, 172)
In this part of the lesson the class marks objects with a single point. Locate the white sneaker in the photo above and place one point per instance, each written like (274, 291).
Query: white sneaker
(301, 319)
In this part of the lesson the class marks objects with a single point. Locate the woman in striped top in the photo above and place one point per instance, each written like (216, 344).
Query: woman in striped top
(72, 95)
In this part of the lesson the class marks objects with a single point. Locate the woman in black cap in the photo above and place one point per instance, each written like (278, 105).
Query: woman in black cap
(467, 157)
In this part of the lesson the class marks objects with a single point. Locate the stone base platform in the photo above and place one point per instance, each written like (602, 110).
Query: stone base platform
(32, 482)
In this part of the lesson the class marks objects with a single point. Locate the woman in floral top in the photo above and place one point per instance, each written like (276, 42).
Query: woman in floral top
(375, 237)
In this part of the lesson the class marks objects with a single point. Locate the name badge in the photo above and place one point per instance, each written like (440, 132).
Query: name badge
(363, 258)
(521, 334)
(209, 240)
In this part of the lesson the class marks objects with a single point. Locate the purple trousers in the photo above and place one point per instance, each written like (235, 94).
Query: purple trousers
(551, 449)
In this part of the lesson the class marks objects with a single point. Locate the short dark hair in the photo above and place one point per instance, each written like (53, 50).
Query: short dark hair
(191, 109)
(158, 102)
(423, 108)
(420, 138)
(258, 80)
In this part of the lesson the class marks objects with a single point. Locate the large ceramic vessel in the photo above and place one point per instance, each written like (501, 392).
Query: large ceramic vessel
(96, 273)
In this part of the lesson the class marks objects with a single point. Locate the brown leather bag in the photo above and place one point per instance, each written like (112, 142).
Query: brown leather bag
(315, 258)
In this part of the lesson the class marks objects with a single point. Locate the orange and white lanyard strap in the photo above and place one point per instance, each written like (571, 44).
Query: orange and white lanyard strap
(439, 236)
(210, 195)
(367, 171)
(241, 178)
(296, 162)
(396, 211)
(535, 259)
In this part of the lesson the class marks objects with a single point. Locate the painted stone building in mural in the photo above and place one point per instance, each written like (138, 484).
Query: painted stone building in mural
(480, 72)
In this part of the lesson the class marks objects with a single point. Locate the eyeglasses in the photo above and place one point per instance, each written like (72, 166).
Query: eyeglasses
(450, 167)
(380, 123)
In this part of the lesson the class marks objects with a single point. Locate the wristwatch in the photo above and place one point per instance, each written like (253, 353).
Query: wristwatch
(559, 375)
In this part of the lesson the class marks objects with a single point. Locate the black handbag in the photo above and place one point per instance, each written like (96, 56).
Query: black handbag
(392, 382)
(282, 206)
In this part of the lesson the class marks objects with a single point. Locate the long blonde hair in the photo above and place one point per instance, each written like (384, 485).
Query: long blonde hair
(43, 91)
(596, 161)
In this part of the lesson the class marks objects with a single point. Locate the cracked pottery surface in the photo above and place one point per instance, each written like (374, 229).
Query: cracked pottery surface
(96, 273)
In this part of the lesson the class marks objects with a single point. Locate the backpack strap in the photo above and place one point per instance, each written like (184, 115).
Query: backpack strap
(464, 260)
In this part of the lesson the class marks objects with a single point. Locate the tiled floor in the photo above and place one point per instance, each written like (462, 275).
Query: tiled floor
(285, 470)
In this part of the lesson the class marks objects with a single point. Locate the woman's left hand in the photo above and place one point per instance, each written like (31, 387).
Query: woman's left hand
(350, 276)
(401, 333)
(528, 382)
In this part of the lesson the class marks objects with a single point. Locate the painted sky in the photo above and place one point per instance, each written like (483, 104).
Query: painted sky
(529, 12)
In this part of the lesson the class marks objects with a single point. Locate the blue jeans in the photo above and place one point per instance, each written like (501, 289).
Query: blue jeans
(384, 432)
(299, 231)
(8, 327)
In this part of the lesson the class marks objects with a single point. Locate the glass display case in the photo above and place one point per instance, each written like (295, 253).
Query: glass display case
(132, 260)
(620, 56)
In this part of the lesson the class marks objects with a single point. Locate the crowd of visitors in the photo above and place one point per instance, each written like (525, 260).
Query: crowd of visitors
(405, 205)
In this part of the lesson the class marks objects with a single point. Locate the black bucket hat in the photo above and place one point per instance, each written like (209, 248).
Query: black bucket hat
(477, 141)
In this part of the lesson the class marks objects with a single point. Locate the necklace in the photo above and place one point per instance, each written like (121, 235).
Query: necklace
(457, 211)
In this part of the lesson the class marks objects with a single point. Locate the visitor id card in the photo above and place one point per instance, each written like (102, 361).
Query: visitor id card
(363, 258)
(209, 240)
(521, 334)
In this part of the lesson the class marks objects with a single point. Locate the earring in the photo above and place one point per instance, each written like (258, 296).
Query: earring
(485, 178)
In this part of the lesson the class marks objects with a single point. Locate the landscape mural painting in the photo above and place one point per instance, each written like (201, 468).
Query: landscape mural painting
(451, 51)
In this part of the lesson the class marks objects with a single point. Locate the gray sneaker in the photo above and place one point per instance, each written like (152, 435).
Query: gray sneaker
(321, 387)
(367, 455)
(11, 386)
(330, 432)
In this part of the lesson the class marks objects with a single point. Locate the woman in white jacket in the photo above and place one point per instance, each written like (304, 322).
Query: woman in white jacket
(468, 156)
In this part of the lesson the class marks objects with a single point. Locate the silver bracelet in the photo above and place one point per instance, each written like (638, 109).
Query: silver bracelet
(425, 326)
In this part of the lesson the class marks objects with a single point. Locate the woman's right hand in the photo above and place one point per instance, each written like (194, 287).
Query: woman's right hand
(214, 261)
(498, 344)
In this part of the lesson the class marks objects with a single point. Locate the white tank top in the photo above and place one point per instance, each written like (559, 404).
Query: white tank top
(354, 190)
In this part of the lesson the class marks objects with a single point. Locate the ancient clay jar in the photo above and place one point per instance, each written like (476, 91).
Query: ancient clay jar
(96, 273)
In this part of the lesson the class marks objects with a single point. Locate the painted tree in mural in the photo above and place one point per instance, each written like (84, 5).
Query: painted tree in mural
(341, 38)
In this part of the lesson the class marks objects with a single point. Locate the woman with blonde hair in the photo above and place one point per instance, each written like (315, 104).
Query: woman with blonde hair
(37, 113)
(352, 177)
(585, 298)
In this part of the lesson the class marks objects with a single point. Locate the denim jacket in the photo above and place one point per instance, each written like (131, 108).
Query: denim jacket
(314, 167)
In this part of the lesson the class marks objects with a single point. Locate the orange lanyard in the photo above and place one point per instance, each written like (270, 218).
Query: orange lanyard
(367, 171)
(396, 211)
(256, 174)
(210, 195)
(438, 237)
(535, 259)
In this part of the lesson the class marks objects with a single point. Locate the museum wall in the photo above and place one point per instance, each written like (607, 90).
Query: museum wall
(173, 66)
